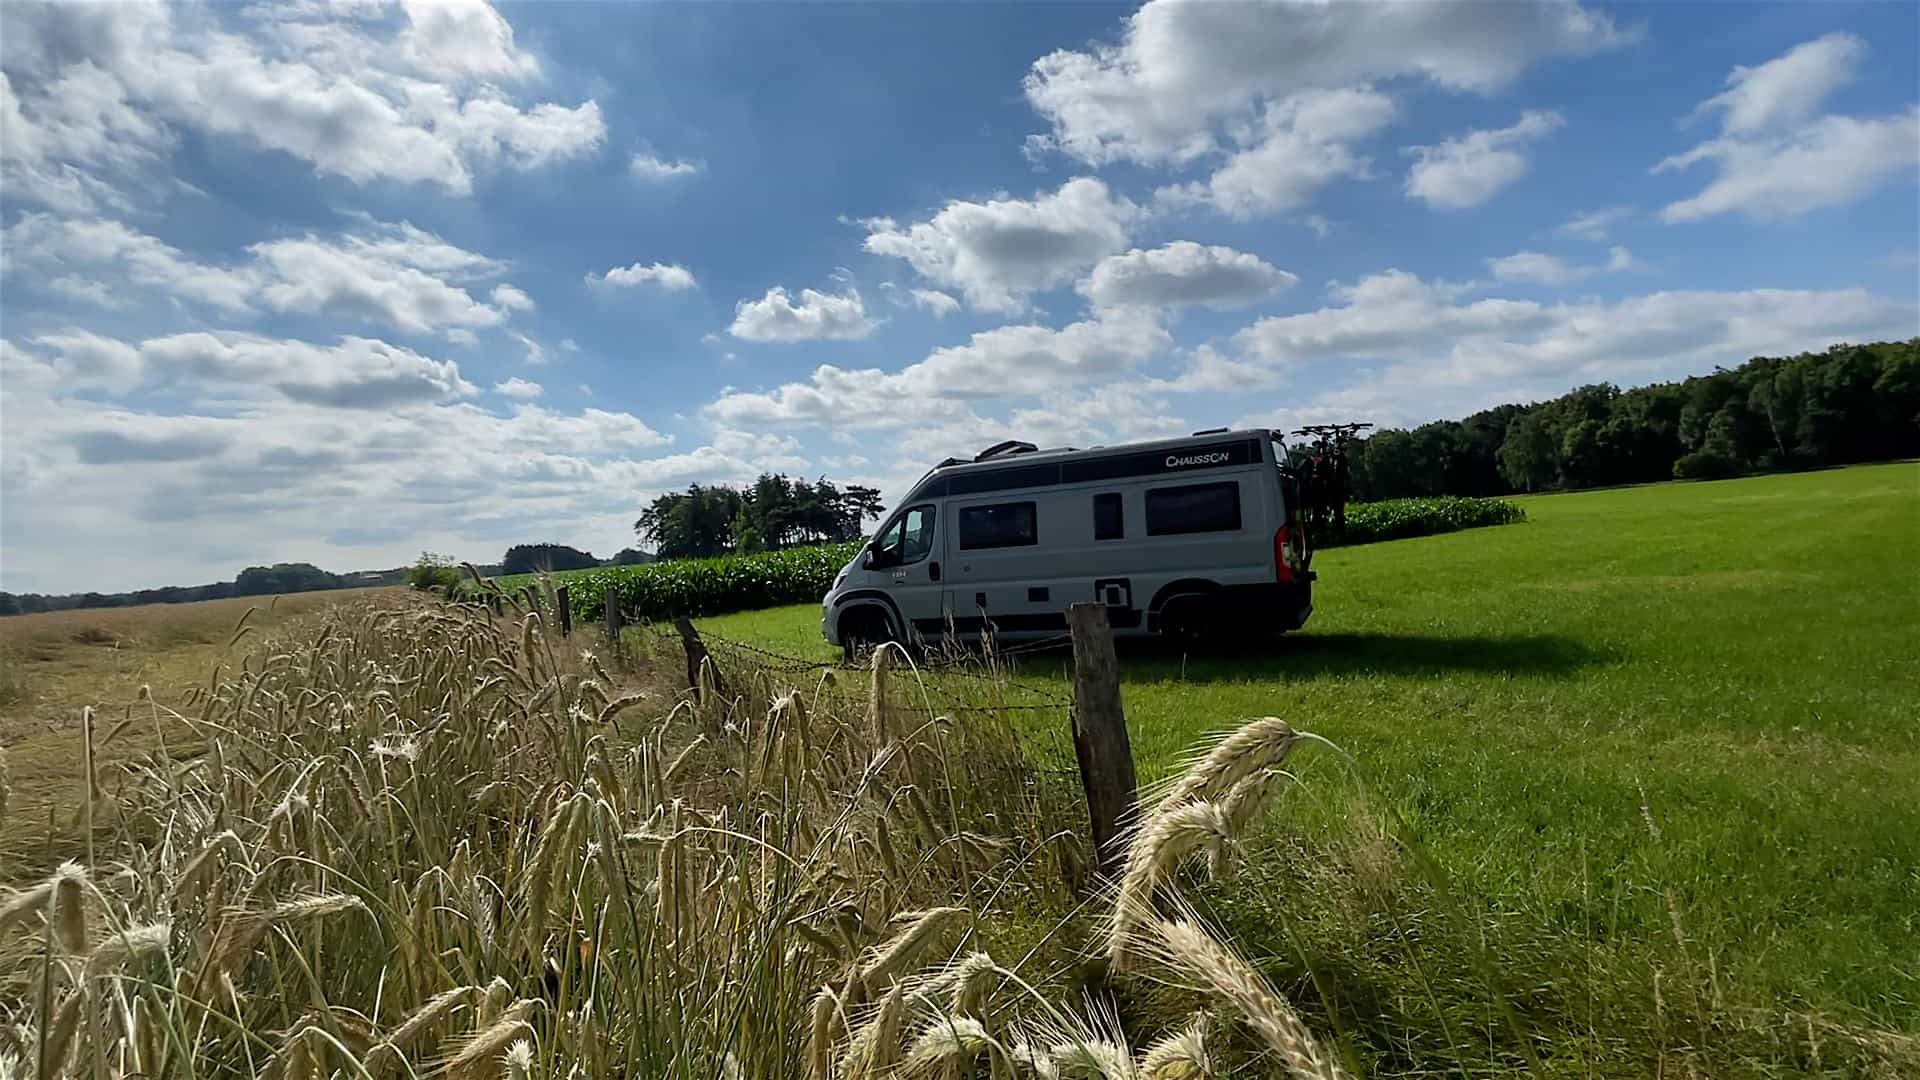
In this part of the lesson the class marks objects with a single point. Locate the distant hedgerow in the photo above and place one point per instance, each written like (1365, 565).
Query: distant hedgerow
(1400, 519)
(803, 575)
(712, 586)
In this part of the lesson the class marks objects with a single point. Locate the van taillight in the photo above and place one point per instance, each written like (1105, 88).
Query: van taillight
(1283, 569)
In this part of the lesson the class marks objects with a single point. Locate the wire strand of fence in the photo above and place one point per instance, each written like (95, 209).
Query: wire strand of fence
(964, 665)
(949, 684)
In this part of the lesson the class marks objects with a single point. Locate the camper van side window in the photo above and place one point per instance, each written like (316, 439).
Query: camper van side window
(997, 526)
(1194, 508)
(907, 540)
(1109, 521)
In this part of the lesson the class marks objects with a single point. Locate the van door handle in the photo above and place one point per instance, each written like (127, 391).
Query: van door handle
(933, 570)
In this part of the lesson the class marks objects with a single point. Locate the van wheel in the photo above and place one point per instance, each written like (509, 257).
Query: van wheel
(1189, 619)
(863, 630)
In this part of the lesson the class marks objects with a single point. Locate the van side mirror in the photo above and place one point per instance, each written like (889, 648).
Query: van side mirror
(869, 558)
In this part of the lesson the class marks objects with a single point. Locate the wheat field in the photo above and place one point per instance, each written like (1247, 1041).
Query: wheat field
(416, 839)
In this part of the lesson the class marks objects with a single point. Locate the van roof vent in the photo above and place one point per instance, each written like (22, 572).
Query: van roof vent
(1002, 449)
(1212, 431)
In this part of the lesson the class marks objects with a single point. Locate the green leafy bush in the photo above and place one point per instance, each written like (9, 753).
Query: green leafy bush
(712, 586)
(1399, 519)
(436, 573)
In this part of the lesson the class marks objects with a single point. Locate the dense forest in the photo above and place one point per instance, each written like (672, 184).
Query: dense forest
(1850, 403)
(775, 512)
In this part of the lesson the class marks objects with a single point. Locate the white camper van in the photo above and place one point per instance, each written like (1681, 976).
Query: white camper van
(1177, 537)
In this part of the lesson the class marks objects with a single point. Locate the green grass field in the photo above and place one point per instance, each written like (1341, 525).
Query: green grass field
(1655, 759)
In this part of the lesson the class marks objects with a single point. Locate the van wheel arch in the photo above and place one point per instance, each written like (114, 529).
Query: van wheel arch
(1197, 592)
(866, 624)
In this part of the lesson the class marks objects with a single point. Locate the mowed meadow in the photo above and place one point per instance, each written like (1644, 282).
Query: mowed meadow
(1628, 789)
(1662, 744)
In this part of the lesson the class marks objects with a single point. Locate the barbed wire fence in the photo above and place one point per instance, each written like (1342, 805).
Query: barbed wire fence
(957, 684)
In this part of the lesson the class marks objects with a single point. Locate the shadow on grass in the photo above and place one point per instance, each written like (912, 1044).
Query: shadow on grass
(1346, 653)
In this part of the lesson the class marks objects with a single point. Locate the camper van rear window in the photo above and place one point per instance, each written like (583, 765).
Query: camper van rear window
(998, 526)
(1193, 508)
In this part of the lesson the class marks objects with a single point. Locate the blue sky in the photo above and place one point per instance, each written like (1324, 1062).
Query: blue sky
(339, 282)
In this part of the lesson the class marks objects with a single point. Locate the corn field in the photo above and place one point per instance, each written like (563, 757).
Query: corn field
(417, 839)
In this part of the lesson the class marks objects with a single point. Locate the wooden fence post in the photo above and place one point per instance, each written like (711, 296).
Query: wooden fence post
(1100, 733)
(565, 610)
(612, 604)
(697, 656)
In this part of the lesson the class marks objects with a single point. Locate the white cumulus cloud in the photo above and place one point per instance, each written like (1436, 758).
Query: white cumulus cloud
(1595, 224)
(652, 168)
(995, 253)
(518, 388)
(394, 275)
(935, 301)
(1467, 170)
(1536, 268)
(1775, 158)
(94, 93)
(1788, 89)
(668, 277)
(817, 315)
(1302, 144)
(1182, 273)
(1008, 362)
(1181, 70)
(509, 298)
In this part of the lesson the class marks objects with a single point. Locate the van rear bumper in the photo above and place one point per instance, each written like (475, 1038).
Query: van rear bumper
(1266, 607)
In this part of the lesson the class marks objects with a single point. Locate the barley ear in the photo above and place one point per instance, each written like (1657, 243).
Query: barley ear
(1153, 853)
(68, 911)
(1179, 1056)
(1186, 949)
(1256, 746)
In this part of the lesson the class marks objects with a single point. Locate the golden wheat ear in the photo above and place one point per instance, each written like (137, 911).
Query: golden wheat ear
(1183, 952)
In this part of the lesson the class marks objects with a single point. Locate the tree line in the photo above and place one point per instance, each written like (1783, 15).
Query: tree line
(253, 581)
(775, 512)
(532, 558)
(1850, 403)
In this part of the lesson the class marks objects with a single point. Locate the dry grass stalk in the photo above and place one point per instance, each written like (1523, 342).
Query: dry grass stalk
(240, 931)
(54, 1052)
(1257, 746)
(517, 1061)
(892, 958)
(879, 709)
(480, 1054)
(873, 1049)
(946, 1040)
(22, 904)
(298, 1057)
(1180, 1056)
(127, 946)
(67, 908)
(826, 1023)
(1184, 947)
(419, 1021)
(1153, 853)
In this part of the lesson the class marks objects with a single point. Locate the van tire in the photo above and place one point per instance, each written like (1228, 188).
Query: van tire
(1189, 618)
(863, 629)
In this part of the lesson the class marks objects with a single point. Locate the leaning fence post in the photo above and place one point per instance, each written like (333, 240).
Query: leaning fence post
(697, 656)
(1100, 732)
(564, 608)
